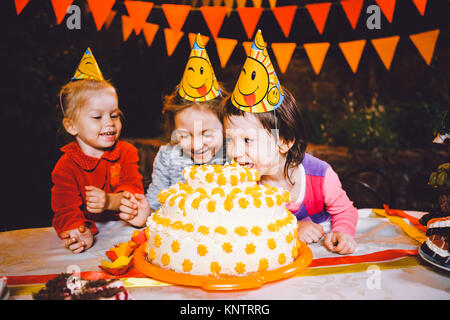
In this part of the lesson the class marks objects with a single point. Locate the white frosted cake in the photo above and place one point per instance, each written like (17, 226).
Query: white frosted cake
(221, 222)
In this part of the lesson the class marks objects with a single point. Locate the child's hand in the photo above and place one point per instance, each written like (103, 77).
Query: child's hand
(134, 209)
(309, 232)
(96, 199)
(339, 242)
(77, 240)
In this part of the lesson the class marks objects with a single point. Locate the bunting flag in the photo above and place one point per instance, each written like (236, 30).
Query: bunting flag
(352, 51)
(100, 11)
(385, 48)
(20, 4)
(387, 7)
(283, 53)
(110, 19)
(138, 12)
(316, 53)
(257, 3)
(176, 15)
(229, 4)
(205, 2)
(217, 3)
(319, 14)
(250, 17)
(421, 5)
(240, 3)
(150, 30)
(425, 42)
(60, 8)
(172, 39)
(214, 18)
(272, 3)
(225, 48)
(127, 27)
(352, 9)
(285, 17)
(192, 37)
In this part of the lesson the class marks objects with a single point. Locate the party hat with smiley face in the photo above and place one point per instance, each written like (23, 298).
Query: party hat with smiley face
(199, 82)
(257, 89)
(88, 68)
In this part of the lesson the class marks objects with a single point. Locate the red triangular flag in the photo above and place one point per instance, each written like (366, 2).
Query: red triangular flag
(283, 53)
(150, 30)
(285, 17)
(172, 39)
(60, 8)
(127, 27)
(388, 8)
(138, 11)
(352, 9)
(319, 14)
(425, 42)
(421, 5)
(214, 18)
(225, 48)
(20, 4)
(100, 11)
(352, 51)
(176, 15)
(110, 19)
(249, 17)
(385, 48)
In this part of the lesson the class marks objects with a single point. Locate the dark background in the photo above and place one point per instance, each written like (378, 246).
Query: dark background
(38, 57)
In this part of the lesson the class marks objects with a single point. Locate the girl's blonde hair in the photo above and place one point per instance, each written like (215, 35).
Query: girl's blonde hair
(173, 104)
(74, 95)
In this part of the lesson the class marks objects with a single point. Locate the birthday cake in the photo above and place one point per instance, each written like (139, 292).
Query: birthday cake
(220, 222)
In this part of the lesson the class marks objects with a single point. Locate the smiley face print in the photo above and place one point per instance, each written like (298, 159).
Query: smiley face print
(88, 68)
(198, 76)
(252, 85)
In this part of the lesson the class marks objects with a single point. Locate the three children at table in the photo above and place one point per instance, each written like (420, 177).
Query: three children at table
(194, 115)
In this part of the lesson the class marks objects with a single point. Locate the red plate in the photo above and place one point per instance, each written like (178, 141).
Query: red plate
(253, 281)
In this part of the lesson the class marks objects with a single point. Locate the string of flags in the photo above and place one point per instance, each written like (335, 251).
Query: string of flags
(176, 15)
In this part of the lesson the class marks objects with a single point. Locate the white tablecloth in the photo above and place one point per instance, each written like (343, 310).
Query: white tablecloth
(39, 252)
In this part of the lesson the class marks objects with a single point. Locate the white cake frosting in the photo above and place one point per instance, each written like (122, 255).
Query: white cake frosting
(221, 222)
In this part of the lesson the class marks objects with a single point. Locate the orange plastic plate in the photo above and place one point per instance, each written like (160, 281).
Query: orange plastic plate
(253, 281)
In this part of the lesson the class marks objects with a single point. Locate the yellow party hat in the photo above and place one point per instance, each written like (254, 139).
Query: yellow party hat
(257, 89)
(199, 82)
(88, 68)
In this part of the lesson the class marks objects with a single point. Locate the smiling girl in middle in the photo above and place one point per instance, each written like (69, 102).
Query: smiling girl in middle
(193, 124)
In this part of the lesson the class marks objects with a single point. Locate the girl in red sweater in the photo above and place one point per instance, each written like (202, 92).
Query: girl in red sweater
(96, 168)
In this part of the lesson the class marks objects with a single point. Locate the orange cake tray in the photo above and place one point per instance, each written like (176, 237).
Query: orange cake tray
(253, 281)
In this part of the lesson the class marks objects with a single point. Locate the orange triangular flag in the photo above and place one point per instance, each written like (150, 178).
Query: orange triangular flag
(283, 52)
(229, 4)
(217, 3)
(352, 51)
(388, 8)
(172, 39)
(319, 14)
(386, 49)
(138, 12)
(214, 18)
(272, 3)
(285, 17)
(100, 10)
(110, 19)
(257, 3)
(421, 5)
(192, 37)
(20, 4)
(225, 48)
(176, 15)
(127, 27)
(150, 30)
(60, 8)
(240, 3)
(425, 42)
(352, 9)
(316, 53)
(249, 17)
(247, 46)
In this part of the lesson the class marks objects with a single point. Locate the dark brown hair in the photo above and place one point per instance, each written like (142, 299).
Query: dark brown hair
(174, 103)
(287, 118)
